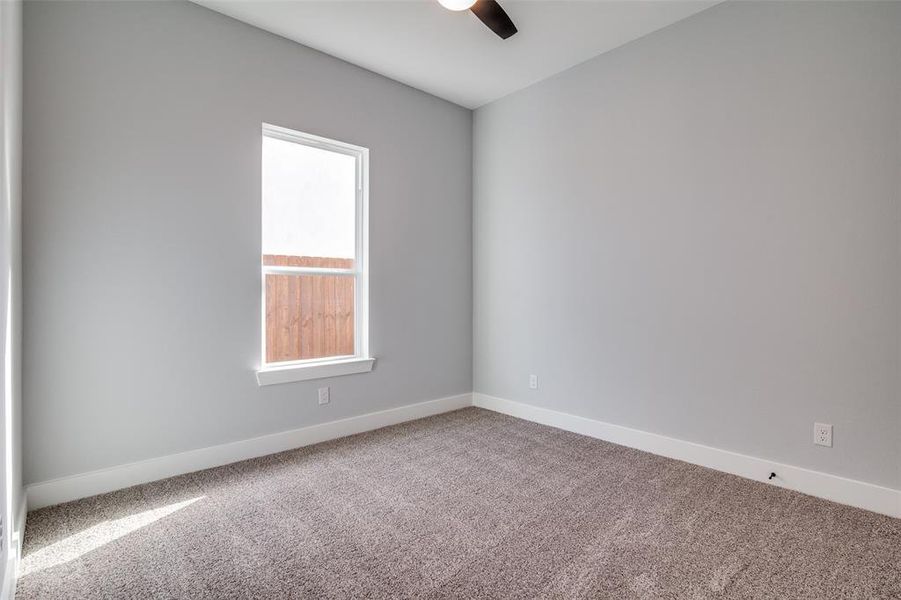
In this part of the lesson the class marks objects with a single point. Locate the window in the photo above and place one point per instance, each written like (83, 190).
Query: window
(313, 258)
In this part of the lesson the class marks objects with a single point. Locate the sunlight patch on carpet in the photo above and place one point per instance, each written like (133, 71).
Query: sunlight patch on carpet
(90, 539)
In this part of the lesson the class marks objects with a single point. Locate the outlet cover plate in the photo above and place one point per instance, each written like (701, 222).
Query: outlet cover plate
(822, 434)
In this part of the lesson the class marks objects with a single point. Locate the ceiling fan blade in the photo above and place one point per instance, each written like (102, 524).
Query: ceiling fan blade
(492, 15)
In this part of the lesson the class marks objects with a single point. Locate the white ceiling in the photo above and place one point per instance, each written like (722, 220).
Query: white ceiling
(451, 54)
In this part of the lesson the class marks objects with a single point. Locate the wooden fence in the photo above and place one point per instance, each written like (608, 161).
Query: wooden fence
(308, 316)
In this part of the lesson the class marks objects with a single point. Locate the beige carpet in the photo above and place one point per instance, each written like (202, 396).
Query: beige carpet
(470, 504)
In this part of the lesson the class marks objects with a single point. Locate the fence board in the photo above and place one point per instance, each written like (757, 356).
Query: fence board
(308, 316)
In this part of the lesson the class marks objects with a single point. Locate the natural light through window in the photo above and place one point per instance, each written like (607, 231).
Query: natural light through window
(309, 200)
(92, 538)
(313, 250)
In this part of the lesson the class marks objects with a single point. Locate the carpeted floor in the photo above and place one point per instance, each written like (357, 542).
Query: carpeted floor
(470, 504)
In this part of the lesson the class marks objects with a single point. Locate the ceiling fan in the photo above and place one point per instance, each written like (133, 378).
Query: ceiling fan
(488, 11)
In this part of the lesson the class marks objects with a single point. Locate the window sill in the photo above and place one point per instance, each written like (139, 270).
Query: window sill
(319, 370)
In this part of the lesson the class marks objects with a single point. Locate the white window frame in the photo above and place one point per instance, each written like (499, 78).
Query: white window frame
(331, 366)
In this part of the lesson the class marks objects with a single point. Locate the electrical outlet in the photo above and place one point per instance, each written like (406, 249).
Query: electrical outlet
(822, 434)
(324, 395)
(533, 382)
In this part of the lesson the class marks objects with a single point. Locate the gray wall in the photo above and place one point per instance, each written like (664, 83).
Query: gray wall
(12, 497)
(142, 232)
(697, 234)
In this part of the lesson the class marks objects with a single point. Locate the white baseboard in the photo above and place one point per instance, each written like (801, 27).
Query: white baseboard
(56, 491)
(878, 499)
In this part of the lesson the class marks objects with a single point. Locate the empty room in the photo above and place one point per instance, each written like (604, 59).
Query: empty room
(572, 299)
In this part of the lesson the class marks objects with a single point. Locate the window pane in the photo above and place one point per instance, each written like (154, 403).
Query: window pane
(309, 202)
(309, 316)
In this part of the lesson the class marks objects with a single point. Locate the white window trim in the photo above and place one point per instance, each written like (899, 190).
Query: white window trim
(328, 368)
(332, 366)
